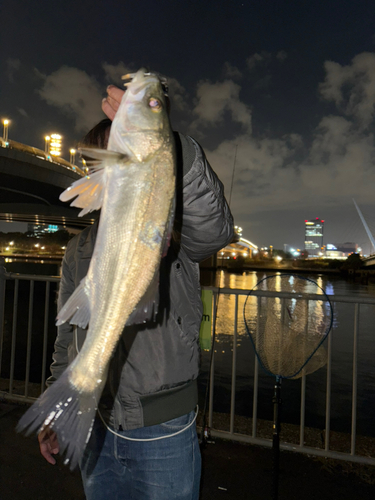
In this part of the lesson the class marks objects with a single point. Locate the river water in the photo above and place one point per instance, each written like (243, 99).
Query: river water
(342, 351)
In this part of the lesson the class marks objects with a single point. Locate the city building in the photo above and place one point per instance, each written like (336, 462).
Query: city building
(314, 236)
(41, 229)
(341, 250)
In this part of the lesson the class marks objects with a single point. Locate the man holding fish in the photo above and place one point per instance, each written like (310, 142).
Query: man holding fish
(130, 308)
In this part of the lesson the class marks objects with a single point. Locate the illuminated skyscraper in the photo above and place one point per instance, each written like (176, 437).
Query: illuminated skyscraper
(314, 236)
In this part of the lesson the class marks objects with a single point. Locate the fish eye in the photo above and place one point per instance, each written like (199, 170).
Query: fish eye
(155, 104)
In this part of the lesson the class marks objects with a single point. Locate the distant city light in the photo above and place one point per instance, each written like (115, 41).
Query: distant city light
(55, 145)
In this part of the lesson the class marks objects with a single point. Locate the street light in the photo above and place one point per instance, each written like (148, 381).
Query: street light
(47, 143)
(5, 133)
(72, 156)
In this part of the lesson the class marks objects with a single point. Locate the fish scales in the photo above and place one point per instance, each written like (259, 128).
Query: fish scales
(134, 185)
(112, 301)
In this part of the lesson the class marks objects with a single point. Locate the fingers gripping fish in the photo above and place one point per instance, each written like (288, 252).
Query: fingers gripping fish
(133, 183)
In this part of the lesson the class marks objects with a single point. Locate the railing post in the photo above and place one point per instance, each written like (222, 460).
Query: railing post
(14, 335)
(234, 368)
(355, 380)
(212, 372)
(2, 305)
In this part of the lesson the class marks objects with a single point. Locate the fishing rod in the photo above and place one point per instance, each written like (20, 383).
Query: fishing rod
(205, 435)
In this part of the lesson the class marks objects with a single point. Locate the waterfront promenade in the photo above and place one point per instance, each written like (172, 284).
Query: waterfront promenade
(231, 471)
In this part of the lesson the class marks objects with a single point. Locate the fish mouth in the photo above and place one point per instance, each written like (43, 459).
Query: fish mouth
(135, 82)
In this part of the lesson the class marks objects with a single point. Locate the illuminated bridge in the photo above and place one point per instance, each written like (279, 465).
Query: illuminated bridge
(31, 182)
(238, 247)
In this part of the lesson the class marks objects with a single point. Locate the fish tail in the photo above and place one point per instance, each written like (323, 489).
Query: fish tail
(67, 411)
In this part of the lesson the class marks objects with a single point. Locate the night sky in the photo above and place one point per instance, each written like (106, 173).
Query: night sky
(282, 93)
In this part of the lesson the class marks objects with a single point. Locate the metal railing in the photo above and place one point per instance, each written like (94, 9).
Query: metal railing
(23, 395)
(299, 447)
(16, 278)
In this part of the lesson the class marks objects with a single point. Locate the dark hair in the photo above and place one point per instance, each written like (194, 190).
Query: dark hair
(98, 135)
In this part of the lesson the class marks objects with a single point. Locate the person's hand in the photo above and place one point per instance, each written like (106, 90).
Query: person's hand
(48, 444)
(111, 103)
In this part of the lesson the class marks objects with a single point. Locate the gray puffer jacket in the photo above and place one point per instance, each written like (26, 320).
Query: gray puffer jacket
(153, 372)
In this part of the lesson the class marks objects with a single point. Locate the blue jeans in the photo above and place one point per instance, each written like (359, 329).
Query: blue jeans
(167, 469)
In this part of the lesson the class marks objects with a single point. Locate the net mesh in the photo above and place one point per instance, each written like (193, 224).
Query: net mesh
(288, 330)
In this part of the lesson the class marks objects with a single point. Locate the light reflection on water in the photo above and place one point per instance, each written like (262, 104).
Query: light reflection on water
(342, 359)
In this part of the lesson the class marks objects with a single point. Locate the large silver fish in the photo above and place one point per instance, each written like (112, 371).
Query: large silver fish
(133, 183)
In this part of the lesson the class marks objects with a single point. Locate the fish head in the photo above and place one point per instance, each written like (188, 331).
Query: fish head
(141, 124)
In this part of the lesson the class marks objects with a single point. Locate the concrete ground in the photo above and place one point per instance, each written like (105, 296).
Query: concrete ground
(230, 471)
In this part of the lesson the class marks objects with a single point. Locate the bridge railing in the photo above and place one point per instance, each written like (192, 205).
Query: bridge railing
(17, 304)
(39, 153)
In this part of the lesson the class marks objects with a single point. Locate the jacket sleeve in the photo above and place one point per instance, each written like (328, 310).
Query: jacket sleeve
(64, 337)
(205, 222)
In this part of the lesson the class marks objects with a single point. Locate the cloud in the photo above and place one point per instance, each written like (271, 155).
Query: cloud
(231, 72)
(177, 95)
(215, 99)
(257, 59)
(260, 66)
(264, 172)
(113, 73)
(76, 94)
(340, 165)
(13, 65)
(264, 58)
(281, 55)
(352, 87)
(22, 112)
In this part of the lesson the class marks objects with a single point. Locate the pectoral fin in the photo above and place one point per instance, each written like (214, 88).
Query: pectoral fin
(76, 308)
(89, 191)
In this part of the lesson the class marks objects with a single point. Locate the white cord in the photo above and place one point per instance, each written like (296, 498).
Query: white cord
(150, 439)
(133, 439)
